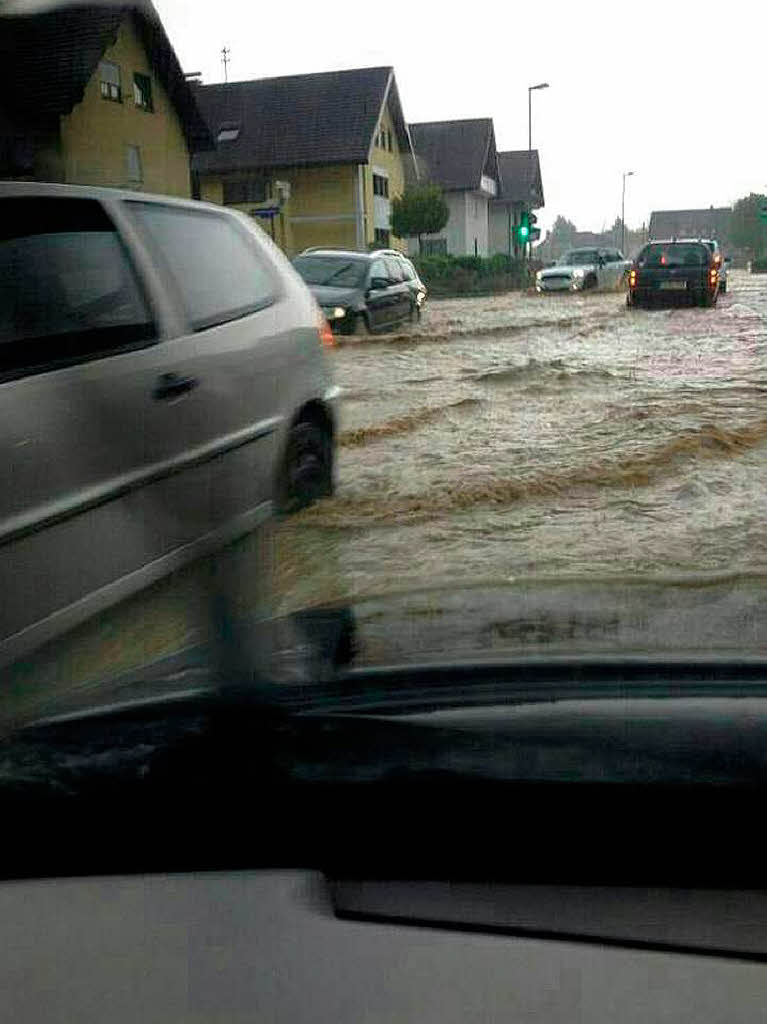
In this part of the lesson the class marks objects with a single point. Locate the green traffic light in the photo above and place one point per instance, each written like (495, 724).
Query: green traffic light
(524, 231)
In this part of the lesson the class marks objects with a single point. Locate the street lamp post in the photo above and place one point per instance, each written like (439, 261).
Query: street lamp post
(530, 90)
(626, 174)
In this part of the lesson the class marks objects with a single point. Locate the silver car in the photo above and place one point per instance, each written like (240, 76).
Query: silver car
(583, 269)
(162, 386)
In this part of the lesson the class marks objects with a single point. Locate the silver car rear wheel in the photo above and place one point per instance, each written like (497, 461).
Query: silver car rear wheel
(307, 473)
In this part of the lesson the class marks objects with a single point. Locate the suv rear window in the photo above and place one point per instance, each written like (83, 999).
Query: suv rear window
(673, 254)
(341, 271)
(67, 288)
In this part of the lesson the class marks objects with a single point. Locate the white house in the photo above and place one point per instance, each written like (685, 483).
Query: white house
(460, 157)
(521, 191)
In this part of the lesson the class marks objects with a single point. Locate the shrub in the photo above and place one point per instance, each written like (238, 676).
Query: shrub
(468, 275)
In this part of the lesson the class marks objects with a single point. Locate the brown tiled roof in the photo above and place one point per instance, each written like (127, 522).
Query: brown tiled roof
(324, 118)
(47, 59)
(456, 153)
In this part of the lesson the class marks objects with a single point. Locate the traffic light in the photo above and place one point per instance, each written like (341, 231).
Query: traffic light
(523, 228)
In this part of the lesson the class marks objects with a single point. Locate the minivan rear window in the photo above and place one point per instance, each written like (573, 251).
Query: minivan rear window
(673, 254)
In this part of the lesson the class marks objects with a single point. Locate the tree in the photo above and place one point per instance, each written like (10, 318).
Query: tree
(747, 229)
(563, 230)
(419, 211)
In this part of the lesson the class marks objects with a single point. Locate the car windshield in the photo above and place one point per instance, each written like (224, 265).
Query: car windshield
(309, 363)
(579, 257)
(342, 271)
(679, 254)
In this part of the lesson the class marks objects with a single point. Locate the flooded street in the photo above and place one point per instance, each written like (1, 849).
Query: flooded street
(592, 456)
(537, 436)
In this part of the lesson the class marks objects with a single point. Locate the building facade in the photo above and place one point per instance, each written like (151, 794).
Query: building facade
(317, 159)
(460, 157)
(96, 96)
(521, 192)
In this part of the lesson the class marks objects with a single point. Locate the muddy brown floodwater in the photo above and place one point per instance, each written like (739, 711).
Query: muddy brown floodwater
(543, 436)
(546, 441)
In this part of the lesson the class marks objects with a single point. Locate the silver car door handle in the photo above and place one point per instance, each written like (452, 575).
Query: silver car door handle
(171, 385)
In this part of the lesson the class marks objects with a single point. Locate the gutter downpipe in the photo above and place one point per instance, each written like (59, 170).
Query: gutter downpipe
(359, 208)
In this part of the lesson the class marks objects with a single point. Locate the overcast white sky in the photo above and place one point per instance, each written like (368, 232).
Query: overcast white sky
(673, 91)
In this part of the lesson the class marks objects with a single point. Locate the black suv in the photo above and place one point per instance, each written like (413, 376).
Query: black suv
(674, 270)
(358, 292)
(414, 282)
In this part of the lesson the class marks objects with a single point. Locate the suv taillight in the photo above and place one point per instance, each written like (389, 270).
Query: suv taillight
(712, 276)
(632, 278)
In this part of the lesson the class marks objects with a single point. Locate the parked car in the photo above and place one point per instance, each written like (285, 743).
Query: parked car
(410, 274)
(583, 269)
(358, 292)
(162, 386)
(674, 269)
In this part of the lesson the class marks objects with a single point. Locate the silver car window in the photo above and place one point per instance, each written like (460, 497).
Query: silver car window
(218, 273)
(67, 288)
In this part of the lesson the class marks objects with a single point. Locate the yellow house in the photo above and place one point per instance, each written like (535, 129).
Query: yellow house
(317, 158)
(96, 96)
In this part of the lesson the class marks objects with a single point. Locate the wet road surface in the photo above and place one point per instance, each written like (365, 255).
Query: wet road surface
(526, 436)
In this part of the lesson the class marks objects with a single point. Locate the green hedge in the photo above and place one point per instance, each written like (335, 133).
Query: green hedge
(467, 275)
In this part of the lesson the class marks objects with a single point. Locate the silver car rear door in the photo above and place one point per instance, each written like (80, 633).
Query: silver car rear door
(235, 343)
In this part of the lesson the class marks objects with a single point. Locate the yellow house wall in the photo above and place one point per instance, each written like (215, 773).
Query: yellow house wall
(391, 162)
(212, 190)
(321, 192)
(326, 192)
(94, 135)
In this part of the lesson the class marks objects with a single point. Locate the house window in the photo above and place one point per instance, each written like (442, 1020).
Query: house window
(142, 91)
(133, 164)
(380, 186)
(434, 246)
(247, 190)
(381, 237)
(109, 75)
(390, 146)
(228, 132)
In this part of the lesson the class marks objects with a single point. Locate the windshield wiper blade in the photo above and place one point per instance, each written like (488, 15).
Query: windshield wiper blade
(335, 273)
